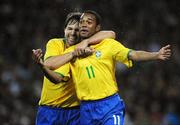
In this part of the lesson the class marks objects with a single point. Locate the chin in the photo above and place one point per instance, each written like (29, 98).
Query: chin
(84, 36)
(71, 43)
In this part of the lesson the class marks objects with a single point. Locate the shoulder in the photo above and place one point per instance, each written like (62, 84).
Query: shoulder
(56, 41)
(69, 49)
(110, 41)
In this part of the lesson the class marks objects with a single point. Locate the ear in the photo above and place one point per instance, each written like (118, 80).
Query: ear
(98, 27)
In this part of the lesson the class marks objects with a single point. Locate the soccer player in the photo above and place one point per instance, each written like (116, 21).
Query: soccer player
(58, 103)
(94, 76)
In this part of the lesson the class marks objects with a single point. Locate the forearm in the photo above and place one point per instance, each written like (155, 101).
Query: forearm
(99, 36)
(57, 61)
(51, 75)
(143, 55)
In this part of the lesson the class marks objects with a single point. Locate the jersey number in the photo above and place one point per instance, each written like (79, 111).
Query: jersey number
(90, 72)
(116, 119)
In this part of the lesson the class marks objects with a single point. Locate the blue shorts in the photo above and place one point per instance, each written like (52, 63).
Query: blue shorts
(107, 111)
(47, 115)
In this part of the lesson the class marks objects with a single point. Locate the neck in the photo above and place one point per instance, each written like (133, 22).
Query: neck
(65, 43)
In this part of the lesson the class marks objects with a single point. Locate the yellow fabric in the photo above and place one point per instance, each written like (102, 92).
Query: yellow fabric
(54, 47)
(94, 75)
(62, 94)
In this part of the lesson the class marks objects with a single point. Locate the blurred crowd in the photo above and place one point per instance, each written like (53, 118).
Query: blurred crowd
(150, 89)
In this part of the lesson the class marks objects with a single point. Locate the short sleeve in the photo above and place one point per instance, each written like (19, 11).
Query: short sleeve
(120, 53)
(64, 70)
(70, 49)
(54, 47)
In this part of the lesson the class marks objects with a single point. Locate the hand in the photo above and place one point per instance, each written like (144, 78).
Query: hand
(80, 47)
(164, 53)
(37, 56)
(87, 51)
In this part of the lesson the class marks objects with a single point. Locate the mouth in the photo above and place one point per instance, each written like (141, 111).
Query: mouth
(72, 38)
(84, 31)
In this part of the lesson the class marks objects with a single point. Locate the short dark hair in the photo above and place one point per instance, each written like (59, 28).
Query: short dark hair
(97, 16)
(71, 17)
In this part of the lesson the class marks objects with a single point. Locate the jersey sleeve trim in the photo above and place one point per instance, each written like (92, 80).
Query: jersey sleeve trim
(65, 78)
(129, 62)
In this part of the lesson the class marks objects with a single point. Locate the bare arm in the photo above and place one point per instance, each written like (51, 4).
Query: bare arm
(55, 62)
(51, 75)
(95, 39)
(163, 54)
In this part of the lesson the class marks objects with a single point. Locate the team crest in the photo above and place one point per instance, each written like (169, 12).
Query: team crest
(98, 54)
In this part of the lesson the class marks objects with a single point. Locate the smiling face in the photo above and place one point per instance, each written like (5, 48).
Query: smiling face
(71, 32)
(88, 26)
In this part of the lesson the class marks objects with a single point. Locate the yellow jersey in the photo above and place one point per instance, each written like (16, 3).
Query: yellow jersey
(94, 76)
(62, 94)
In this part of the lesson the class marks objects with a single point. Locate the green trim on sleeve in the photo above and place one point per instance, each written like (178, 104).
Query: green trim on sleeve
(65, 78)
(130, 62)
(60, 74)
(129, 53)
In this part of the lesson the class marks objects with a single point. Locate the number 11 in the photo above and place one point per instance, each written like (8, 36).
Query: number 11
(90, 74)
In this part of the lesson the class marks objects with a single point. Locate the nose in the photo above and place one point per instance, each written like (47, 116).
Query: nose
(73, 32)
(83, 24)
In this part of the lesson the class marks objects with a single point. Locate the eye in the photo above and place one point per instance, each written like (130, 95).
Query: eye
(89, 22)
(69, 28)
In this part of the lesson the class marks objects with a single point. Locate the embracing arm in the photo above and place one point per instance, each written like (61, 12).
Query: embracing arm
(52, 76)
(95, 39)
(163, 54)
(55, 62)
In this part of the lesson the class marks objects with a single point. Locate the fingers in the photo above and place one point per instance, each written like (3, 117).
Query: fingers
(167, 47)
(89, 50)
(165, 52)
(80, 47)
(166, 56)
(79, 52)
(83, 52)
(37, 51)
(37, 55)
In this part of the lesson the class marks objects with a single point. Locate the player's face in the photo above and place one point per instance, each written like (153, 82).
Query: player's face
(87, 25)
(71, 32)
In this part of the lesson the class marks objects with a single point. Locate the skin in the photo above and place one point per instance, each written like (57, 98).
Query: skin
(71, 33)
(72, 37)
(88, 27)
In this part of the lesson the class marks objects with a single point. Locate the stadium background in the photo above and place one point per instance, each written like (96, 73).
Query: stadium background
(150, 89)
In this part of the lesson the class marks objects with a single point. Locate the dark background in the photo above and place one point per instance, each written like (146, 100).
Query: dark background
(150, 89)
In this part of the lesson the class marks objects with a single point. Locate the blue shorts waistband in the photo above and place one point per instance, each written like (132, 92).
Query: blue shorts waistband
(103, 99)
(59, 108)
